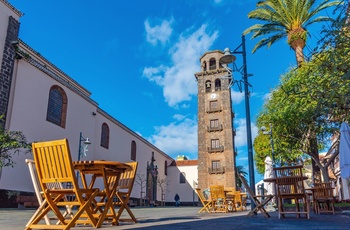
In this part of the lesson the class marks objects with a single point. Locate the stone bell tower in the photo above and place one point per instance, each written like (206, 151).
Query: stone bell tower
(216, 155)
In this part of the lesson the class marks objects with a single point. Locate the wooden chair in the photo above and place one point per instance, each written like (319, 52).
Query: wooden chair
(218, 197)
(39, 192)
(239, 201)
(54, 165)
(259, 205)
(124, 189)
(323, 197)
(230, 199)
(290, 185)
(207, 204)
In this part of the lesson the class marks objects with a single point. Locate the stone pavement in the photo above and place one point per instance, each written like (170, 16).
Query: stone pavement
(171, 218)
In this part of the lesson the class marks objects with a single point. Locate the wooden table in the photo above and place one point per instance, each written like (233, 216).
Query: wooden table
(110, 172)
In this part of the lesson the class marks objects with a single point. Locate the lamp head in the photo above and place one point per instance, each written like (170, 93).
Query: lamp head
(228, 57)
(87, 141)
(263, 128)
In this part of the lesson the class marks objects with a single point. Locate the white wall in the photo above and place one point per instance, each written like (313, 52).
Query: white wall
(186, 190)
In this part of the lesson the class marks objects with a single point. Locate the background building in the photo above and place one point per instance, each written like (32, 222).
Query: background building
(44, 103)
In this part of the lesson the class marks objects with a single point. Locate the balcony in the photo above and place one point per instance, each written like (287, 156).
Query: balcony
(219, 170)
(214, 129)
(216, 149)
(214, 110)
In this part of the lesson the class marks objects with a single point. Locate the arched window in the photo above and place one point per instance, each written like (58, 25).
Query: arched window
(182, 178)
(57, 106)
(217, 85)
(212, 64)
(208, 86)
(133, 151)
(204, 66)
(105, 136)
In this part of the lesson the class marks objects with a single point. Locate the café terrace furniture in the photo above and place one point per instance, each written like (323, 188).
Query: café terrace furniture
(124, 189)
(290, 186)
(39, 193)
(239, 203)
(54, 165)
(259, 205)
(207, 203)
(323, 197)
(218, 197)
(109, 172)
(230, 198)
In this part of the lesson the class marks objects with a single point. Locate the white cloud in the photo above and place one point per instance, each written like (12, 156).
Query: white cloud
(237, 97)
(241, 132)
(159, 33)
(177, 138)
(178, 80)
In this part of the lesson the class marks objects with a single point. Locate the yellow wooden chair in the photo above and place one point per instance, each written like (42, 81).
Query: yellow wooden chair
(324, 198)
(205, 202)
(230, 199)
(259, 205)
(54, 165)
(218, 196)
(124, 189)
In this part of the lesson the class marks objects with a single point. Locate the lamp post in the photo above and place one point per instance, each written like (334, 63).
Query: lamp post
(82, 150)
(227, 59)
(271, 142)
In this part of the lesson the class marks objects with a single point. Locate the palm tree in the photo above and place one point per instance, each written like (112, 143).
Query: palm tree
(286, 18)
(240, 171)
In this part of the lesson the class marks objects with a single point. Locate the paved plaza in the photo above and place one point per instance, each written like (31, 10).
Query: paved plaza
(188, 218)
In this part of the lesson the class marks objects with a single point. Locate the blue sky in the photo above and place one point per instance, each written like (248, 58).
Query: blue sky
(138, 59)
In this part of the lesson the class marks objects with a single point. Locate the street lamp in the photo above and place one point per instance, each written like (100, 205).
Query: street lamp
(227, 59)
(83, 149)
(263, 128)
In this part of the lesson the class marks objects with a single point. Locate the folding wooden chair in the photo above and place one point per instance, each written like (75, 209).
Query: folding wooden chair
(124, 189)
(323, 197)
(290, 185)
(259, 205)
(207, 204)
(218, 197)
(53, 164)
(39, 192)
(231, 199)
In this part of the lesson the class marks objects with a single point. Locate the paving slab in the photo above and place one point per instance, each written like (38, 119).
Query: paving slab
(171, 218)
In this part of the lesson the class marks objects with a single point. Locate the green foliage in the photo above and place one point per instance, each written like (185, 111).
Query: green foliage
(11, 142)
(311, 102)
(240, 171)
(283, 18)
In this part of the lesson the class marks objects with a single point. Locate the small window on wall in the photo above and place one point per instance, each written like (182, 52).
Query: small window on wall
(57, 106)
(217, 85)
(204, 66)
(105, 136)
(215, 143)
(214, 105)
(212, 64)
(165, 168)
(215, 165)
(208, 86)
(133, 151)
(214, 123)
(182, 178)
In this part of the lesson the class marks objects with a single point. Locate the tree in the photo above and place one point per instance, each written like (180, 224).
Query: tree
(11, 142)
(286, 18)
(162, 184)
(240, 171)
(141, 180)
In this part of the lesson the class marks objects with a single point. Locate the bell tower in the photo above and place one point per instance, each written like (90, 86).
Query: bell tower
(216, 155)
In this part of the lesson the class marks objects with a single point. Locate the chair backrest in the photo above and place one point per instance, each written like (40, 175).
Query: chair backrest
(238, 197)
(127, 178)
(217, 192)
(323, 190)
(53, 164)
(36, 182)
(200, 195)
(289, 180)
